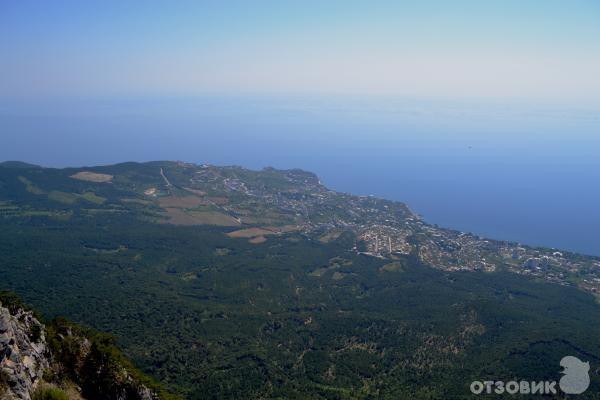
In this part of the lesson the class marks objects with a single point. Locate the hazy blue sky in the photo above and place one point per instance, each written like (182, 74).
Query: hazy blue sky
(540, 50)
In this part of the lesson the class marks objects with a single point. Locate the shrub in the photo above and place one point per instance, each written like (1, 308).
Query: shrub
(35, 333)
(3, 381)
(11, 301)
(49, 375)
(50, 393)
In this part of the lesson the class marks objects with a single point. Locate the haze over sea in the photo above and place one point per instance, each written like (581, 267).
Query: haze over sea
(522, 173)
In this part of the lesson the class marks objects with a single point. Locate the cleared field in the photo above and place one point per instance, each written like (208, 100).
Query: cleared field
(330, 236)
(136, 201)
(264, 217)
(337, 276)
(222, 251)
(70, 198)
(92, 177)
(57, 215)
(258, 240)
(30, 187)
(334, 263)
(392, 267)
(283, 228)
(195, 191)
(267, 230)
(189, 276)
(104, 210)
(93, 198)
(181, 202)
(319, 272)
(63, 197)
(219, 200)
(106, 251)
(8, 207)
(177, 216)
(250, 233)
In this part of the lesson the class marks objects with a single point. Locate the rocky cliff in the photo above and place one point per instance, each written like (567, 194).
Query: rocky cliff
(24, 354)
(63, 361)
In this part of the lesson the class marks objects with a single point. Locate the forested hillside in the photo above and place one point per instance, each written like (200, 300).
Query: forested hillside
(226, 283)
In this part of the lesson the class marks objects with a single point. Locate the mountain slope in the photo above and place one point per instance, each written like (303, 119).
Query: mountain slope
(63, 361)
(222, 282)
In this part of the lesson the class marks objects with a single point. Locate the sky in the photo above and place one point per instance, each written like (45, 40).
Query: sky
(546, 50)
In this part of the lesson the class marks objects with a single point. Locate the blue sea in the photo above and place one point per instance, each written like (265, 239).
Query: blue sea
(518, 171)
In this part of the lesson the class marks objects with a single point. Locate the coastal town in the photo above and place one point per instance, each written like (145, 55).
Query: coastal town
(383, 228)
